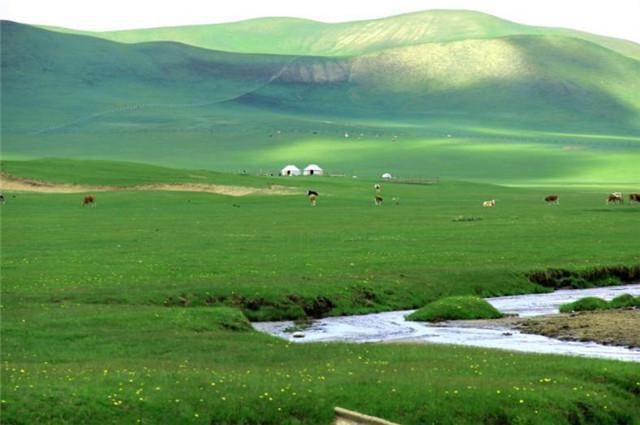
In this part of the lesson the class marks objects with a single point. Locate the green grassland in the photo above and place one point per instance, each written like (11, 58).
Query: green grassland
(135, 311)
(122, 312)
(251, 251)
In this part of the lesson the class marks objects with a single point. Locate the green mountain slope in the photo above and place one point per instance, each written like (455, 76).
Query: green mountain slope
(531, 107)
(52, 79)
(551, 80)
(305, 37)
(560, 81)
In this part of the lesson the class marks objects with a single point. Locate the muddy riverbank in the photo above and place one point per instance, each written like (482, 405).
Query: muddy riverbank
(612, 327)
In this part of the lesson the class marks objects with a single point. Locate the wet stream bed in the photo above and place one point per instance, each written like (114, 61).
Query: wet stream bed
(392, 327)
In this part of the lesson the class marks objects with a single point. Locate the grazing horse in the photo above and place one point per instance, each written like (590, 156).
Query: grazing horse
(1, 198)
(615, 197)
(313, 195)
(634, 197)
(89, 200)
(552, 199)
(490, 203)
(378, 200)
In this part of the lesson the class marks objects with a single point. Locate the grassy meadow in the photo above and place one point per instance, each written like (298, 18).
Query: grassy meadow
(134, 311)
(137, 310)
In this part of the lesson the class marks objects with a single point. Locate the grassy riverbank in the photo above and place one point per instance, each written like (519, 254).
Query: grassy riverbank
(77, 363)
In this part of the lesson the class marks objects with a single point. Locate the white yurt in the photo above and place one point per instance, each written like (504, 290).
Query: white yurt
(313, 170)
(387, 176)
(290, 170)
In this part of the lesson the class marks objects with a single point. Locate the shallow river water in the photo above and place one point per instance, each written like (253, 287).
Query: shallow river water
(392, 327)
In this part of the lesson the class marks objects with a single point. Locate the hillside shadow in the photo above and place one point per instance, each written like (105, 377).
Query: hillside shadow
(554, 94)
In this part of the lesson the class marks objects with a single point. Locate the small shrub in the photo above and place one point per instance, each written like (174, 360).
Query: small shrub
(625, 301)
(585, 304)
(456, 308)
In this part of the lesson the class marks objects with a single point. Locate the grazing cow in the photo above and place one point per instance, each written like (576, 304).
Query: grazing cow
(634, 197)
(615, 197)
(313, 195)
(378, 200)
(377, 187)
(490, 203)
(552, 199)
(1, 198)
(89, 200)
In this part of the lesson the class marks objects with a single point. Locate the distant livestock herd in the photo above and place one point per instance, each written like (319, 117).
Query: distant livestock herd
(614, 197)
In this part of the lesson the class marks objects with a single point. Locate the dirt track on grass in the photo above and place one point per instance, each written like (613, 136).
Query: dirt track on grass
(14, 184)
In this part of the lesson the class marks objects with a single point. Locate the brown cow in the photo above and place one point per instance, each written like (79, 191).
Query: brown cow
(615, 197)
(634, 197)
(552, 199)
(89, 200)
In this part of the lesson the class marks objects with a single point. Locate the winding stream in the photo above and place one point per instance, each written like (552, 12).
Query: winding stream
(392, 327)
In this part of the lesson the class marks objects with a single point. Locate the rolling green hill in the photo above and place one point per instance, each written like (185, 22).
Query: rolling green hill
(274, 35)
(469, 97)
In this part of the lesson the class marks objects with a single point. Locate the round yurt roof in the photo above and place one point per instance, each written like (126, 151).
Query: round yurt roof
(387, 176)
(290, 170)
(312, 167)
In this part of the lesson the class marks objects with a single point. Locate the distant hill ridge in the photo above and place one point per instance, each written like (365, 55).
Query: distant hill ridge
(295, 36)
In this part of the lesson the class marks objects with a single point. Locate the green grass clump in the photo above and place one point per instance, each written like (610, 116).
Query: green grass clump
(595, 303)
(585, 304)
(456, 308)
(624, 301)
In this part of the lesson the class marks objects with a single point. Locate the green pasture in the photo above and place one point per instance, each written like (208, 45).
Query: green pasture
(129, 312)
(261, 253)
(262, 145)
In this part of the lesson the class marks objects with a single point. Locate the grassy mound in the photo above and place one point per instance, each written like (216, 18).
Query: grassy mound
(624, 301)
(595, 303)
(585, 304)
(456, 308)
